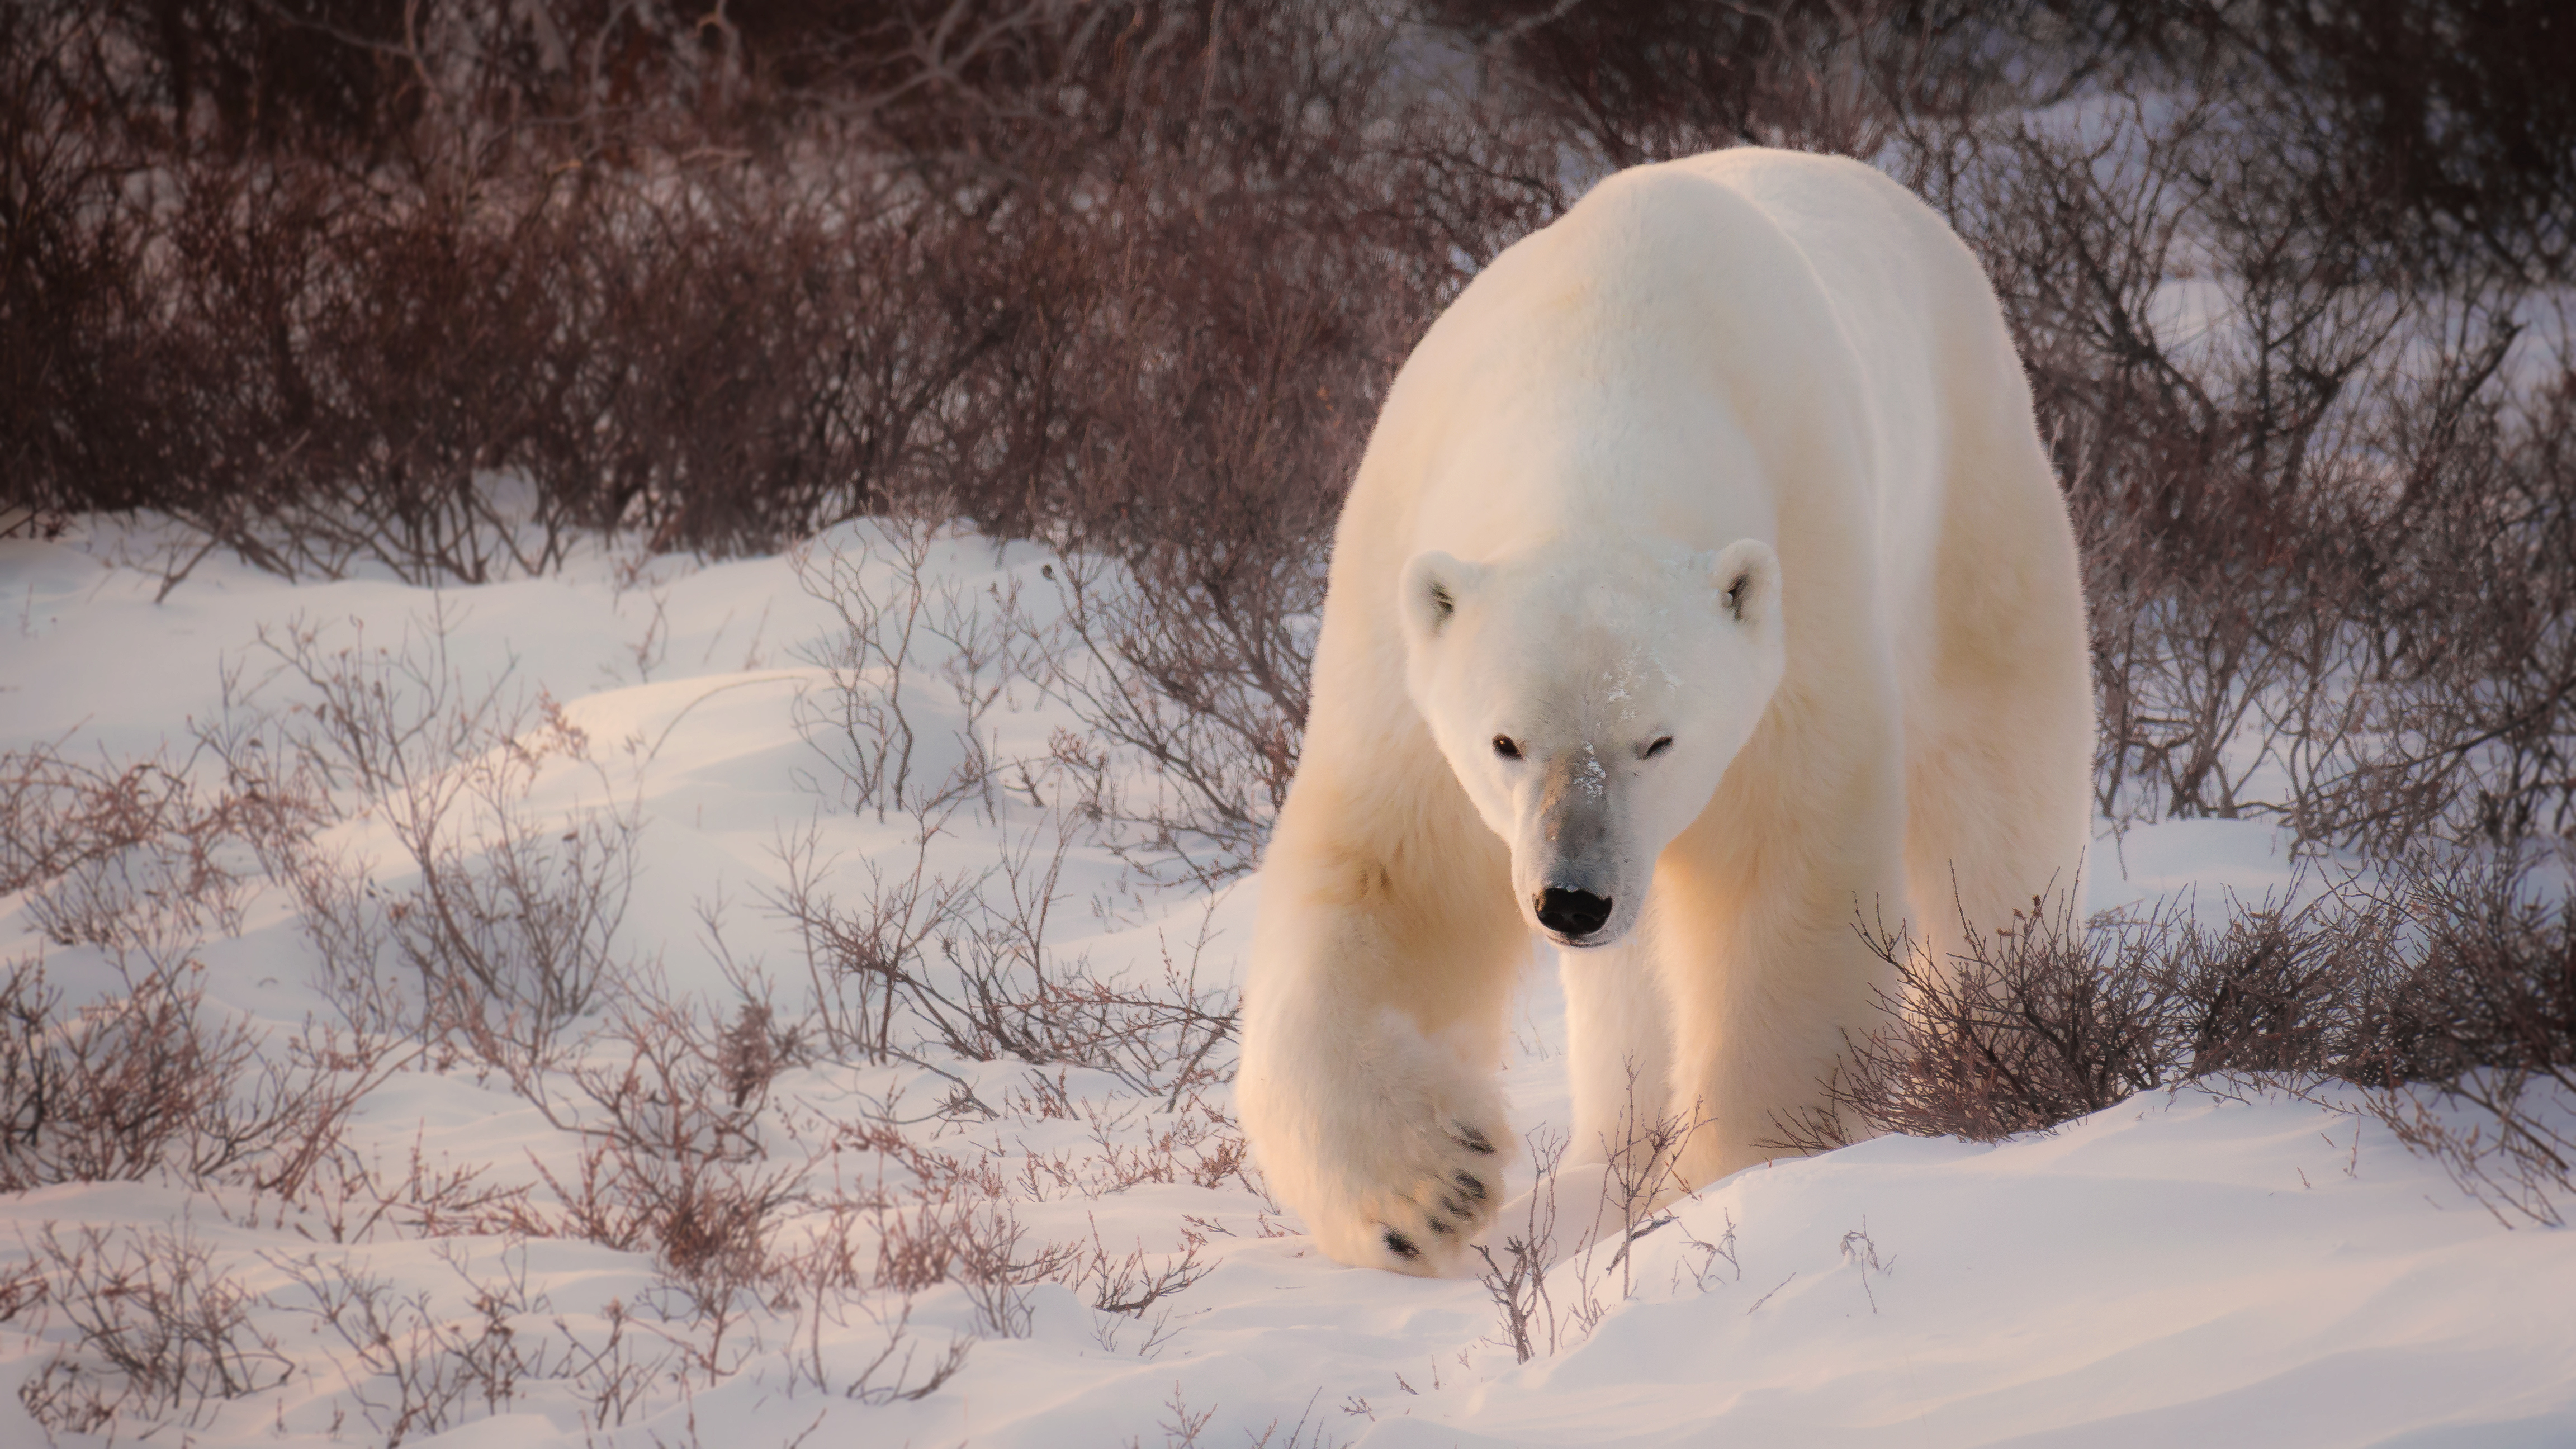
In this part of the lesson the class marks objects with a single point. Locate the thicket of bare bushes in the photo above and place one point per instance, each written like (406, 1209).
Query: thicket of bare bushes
(449, 288)
(455, 290)
(2434, 980)
(319, 278)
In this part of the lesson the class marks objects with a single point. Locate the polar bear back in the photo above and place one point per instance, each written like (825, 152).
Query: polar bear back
(1822, 268)
(1944, 393)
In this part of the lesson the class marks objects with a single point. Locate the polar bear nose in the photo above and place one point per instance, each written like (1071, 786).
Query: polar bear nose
(1572, 914)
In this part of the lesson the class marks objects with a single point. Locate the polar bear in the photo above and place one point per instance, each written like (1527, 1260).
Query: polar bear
(1703, 591)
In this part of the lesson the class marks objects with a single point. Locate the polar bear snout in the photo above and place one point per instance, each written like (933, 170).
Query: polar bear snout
(1574, 852)
(1571, 915)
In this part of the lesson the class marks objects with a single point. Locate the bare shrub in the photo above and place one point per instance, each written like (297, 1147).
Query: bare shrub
(1643, 1178)
(141, 858)
(1862, 1253)
(23, 1289)
(2435, 109)
(1134, 1281)
(830, 1278)
(508, 931)
(2442, 990)
(856, 258)
(2467, 1051)
(375, 721)
(867, 663)
(512, 929)
(1204, 681)
(155, 1080)
(953, 1224)
(672, 1155)
(117, 1090)
(1195, 1143)
(969, 963)
(508, 937)
(342, 917)
(1627, 1203)
(2313, 479)
(749, 1053)
(858, 720)
(1644, 80)
(898, 1374)
(1007, 993)
(1708, 1274)
(2049, 1019)
(614, 1375)
(351, 1196)
(2026, 1027)
(858, 960)
(964, 955)
(1517, 1281)
(161, 1333)
(416, 1370)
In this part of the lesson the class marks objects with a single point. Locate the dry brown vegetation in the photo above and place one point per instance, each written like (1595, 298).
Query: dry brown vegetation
(457, 290)
(770, 1226)
(160, 1332)
(2430, 983)
(451, 289)
(488, 945)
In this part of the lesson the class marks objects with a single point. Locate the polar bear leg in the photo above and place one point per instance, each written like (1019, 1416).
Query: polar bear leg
(1618, 1046)
(1620, 1057)
(1999, 709)
(1373, 1024)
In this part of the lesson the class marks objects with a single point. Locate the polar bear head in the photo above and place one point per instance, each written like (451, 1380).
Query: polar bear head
(1589, 708)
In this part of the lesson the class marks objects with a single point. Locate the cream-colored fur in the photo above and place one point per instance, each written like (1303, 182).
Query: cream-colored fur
(1736, 454)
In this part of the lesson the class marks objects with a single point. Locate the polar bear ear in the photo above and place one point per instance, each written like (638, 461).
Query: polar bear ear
(1433, 584)
(1746, 574)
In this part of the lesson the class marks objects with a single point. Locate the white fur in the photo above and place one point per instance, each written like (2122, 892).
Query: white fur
(1736, 453)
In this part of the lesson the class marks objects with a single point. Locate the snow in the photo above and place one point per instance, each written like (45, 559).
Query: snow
(2180, 1268)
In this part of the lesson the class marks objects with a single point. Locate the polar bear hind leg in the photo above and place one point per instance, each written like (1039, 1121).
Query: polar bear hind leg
(1999, 727)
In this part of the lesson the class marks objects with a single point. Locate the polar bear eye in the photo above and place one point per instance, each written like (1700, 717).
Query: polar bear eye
(1504, 747)
(1657, 748)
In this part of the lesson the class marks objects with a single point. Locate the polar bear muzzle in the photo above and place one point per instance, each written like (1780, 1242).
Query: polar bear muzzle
(1578, 855)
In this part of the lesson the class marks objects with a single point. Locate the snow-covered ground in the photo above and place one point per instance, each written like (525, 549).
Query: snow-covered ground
(2183, 1269)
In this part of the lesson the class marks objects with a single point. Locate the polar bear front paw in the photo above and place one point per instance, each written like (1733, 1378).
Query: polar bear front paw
(1424, 1226)
(1410, 1199)
(1389, 1143)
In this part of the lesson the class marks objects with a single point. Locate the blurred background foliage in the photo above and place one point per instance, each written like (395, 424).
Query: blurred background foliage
(449, 288)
